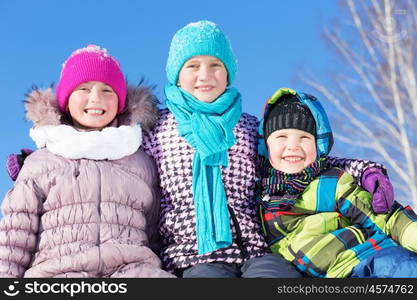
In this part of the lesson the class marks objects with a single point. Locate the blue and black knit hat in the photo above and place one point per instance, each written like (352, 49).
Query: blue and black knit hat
(289, 113)
(199, 38)
(287, 108)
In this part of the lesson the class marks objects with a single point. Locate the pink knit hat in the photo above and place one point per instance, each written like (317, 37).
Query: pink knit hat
(91, 63)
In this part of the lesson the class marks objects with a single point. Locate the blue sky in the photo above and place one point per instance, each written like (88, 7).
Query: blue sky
(271, 39)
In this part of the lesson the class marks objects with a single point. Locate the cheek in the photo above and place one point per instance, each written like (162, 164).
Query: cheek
(222, 79)
(113, 105)
(74, 103)
(275, 152)
(275, 159)
(186, 82)
(311, 153)
(185, 77)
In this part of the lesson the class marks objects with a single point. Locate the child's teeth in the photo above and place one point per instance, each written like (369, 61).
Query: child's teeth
(292, 158)
(95, 111)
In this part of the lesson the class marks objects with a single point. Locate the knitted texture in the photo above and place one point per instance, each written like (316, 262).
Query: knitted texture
(211, 142)
(378, 184)
(173, 157)
(324, 135)
(289, 113)
(15, 162)
(199, 38)
(91, 63)
(283, 189)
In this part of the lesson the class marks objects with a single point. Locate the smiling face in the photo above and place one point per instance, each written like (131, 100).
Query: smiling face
(92, 105)
(291, 150)
(204, 77)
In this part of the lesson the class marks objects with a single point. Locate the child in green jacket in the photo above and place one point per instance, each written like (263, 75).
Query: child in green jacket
(318, 217)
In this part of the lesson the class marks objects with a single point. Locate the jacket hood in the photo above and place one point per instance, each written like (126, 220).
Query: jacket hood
(141, 108)
(324, 135)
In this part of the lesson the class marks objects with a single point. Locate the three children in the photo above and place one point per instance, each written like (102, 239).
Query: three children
(206, 153)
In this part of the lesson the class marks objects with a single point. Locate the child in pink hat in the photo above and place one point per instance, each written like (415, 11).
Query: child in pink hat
(91, 63)
(86, 203)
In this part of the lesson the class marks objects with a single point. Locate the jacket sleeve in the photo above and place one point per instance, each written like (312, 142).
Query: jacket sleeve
(147, 144)
(155, 240)
(19, 228)
(354, 167)
(355, 204)
(402, 226)
(152, 215)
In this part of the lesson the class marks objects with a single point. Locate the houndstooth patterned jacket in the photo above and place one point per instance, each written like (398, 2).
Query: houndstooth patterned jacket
(173, 156)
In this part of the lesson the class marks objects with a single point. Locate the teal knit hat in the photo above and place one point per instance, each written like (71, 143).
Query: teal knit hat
(199, 38)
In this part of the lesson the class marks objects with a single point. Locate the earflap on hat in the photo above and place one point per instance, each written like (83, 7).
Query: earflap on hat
(262, 148)
(324, 135)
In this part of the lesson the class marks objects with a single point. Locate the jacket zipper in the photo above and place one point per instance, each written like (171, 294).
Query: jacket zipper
(77, 169)
(238, 238)
(100, 265)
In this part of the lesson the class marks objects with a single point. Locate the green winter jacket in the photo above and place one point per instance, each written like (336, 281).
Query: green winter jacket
(331, 227)
(327, 233)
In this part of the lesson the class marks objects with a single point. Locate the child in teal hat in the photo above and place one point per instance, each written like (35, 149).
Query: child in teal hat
(205, 148)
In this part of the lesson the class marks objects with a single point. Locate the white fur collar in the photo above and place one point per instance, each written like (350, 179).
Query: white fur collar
(110, 143)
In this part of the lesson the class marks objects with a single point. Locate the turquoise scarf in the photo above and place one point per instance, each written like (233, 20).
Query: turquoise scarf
(208, 128)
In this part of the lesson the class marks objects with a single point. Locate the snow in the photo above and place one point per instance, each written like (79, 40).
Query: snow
(102, 52)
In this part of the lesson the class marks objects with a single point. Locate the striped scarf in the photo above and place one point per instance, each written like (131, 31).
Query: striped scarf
(281, 189)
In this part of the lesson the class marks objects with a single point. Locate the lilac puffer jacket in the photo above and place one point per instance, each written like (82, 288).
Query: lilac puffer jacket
(87, 203)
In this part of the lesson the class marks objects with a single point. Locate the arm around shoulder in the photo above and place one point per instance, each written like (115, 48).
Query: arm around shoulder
(355, 203)
(372, 177)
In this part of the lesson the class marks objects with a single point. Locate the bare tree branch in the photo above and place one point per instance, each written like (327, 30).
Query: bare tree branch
(377, 93)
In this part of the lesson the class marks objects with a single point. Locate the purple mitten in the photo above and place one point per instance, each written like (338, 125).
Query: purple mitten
(378, 184)
(15, 162)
